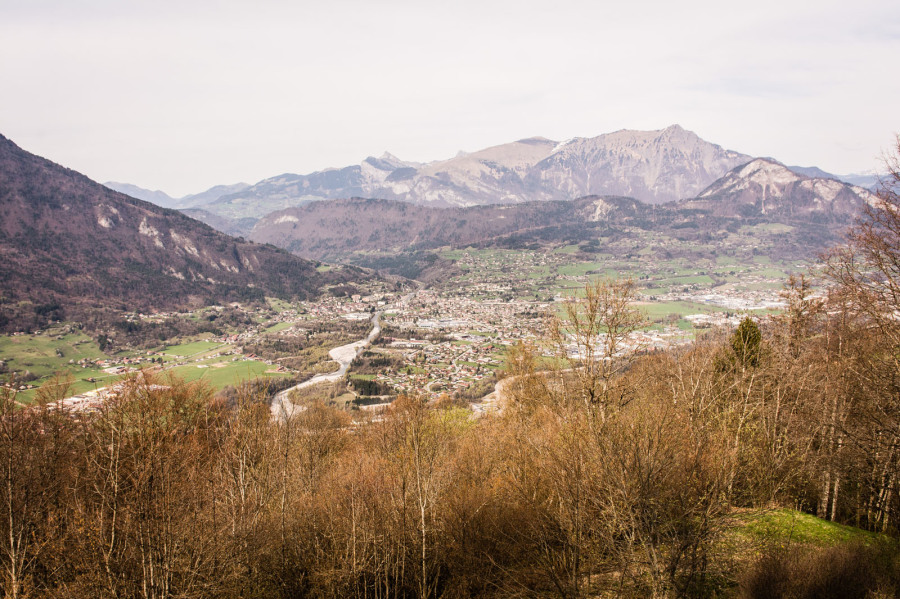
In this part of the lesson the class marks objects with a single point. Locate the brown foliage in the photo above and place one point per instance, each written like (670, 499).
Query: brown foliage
(855, 571)
(616, 478)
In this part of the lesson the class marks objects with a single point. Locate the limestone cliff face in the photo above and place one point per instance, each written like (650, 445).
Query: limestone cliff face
(651, 166)
(766, 188)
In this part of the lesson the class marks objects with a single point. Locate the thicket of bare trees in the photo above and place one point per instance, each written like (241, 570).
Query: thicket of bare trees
(621, 478)
(608, 472)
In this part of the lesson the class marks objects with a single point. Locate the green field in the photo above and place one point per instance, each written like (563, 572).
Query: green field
(191, 349)
(38, 354)
(277, 304)
(278, 327)
(221, 374)
(80, 383)
(662, 309)
(654, 291)
(362, 377)
(771, 273)
(581, 268)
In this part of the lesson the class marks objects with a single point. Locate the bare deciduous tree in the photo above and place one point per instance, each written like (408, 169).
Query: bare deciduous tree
(590, 340)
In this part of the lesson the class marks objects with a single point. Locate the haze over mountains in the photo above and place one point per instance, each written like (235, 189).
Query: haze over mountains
(65, 239)
(161, 198)
(654, 167)
(64, 235)
(651, 166)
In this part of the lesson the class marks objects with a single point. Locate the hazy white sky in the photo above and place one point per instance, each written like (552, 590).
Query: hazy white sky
(180, 96)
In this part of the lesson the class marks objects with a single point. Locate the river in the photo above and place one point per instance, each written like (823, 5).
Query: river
(282, 408)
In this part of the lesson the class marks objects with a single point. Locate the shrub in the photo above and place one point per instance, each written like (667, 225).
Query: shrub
(842, 572)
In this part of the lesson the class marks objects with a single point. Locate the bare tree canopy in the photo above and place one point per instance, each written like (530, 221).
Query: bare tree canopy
(867, 269)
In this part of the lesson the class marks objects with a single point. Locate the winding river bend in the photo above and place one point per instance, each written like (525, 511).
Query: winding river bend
(282, 408)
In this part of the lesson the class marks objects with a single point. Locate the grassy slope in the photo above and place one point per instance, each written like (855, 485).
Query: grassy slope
(751, 535)
(786, 526)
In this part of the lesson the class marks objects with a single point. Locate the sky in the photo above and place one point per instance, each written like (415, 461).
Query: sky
(181, 95)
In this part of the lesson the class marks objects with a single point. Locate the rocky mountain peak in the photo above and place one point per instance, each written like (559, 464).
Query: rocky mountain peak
(761, 171)
(764, 186)
(652, 166)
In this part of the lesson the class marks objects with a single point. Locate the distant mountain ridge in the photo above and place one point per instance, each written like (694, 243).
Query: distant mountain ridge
(654, 167)
(760, 192)
(154, 196)
(67, 241)
(651, 166)
(765, 187)
(161, 198)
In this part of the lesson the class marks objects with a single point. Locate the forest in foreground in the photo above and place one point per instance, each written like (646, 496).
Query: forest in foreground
(604, 475)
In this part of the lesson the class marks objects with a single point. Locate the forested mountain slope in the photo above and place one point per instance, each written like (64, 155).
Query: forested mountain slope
(66, 240)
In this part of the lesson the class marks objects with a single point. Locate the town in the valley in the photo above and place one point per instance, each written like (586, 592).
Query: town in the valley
(446, 341)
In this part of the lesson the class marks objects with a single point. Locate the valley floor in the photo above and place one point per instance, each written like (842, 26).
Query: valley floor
(448, 339)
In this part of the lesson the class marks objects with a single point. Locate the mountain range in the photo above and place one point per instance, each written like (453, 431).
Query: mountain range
(761, 191)
(651, 166)
(161, 198)
(68, 243)
(654, 167)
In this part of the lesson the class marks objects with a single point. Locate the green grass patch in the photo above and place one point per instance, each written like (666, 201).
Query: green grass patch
(278, 327)
(790, 526)
(654, 291)
(451, 254)
(191, 349)
(692, 280)
(80, 383)
(362, 377)
(229, 373)
(38, 354)
(278, 305)
(772, 273)
(684, 325)
(657, 310)
(580, 269)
